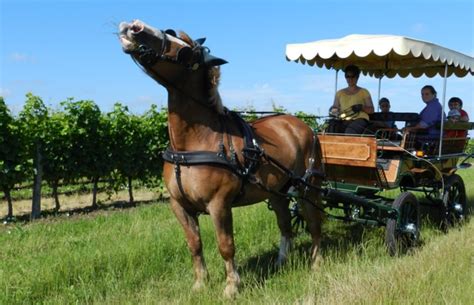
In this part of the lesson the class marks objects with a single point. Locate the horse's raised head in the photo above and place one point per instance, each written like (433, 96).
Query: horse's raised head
(148, 46)
(169, 58)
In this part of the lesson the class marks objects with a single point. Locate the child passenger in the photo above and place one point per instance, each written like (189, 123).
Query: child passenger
(454, 116)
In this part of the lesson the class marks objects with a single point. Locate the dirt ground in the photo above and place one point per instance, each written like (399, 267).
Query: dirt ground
(76, 201)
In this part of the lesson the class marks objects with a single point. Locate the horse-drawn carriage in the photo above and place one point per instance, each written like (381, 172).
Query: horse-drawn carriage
(217, 162)
(359, 167)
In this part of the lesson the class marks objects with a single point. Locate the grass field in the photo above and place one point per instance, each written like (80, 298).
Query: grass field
(139, 256)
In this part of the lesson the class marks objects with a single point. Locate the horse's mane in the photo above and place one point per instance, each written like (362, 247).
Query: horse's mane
(213, 78)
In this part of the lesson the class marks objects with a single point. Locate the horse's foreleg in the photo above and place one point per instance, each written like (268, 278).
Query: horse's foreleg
(190, 225)
(280, 206)
(222, 218)
(314, 218)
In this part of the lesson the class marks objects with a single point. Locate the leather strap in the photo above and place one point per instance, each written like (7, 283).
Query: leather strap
(188, 158)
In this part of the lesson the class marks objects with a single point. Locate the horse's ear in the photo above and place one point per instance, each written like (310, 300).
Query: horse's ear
(200, 41)
(211, 61)
(170, 32)
(184, 54)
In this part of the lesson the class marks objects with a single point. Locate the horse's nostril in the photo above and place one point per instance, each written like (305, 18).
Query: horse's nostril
(136, 28)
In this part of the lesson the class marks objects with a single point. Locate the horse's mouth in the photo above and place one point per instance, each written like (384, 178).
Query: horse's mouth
(127, 35)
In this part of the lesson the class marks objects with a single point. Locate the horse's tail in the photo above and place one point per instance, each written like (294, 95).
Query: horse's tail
(314, 174)
(316, 157)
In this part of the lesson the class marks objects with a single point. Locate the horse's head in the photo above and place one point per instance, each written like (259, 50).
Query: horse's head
(169, 58)
(149, 46)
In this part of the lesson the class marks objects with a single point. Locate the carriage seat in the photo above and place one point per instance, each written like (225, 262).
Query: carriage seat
(455, 139)
(457, 129)
(378, 127)
(407, 117)
(455, 136)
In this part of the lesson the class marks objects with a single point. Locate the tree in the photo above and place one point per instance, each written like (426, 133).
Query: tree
(32, 120)
(13, 164)
(88, 133)
(57, 153)
(127, 146)
(155, 130)
(309, 119)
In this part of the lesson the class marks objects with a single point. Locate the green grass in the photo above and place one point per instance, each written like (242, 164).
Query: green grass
(139, 256)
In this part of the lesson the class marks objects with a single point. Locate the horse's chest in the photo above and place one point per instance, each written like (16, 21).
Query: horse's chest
(199, 183)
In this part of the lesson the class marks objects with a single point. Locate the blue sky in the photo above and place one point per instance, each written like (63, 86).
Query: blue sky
(60, 49)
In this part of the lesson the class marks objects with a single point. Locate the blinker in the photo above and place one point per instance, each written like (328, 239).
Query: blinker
(184, 54)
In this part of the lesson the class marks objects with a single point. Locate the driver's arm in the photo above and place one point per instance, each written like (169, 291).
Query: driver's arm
(336, 103)
(368, 106)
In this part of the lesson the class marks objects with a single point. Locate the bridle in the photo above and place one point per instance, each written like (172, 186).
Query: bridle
(147, 57)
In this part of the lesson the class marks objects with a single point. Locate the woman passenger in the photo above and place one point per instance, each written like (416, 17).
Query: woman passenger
(430, 116)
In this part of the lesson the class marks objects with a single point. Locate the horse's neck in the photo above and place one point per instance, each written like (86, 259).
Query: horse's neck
(191, 125)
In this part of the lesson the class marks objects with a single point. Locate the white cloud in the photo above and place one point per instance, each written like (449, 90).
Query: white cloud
(142, 103)
(148, 99)
(23, 58)
(309, 93)
(5, 92)
(248, 95)
(418, 28)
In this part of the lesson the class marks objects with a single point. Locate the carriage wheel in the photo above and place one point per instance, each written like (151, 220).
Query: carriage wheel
(403, 233)
(297, 220)
(454, 209)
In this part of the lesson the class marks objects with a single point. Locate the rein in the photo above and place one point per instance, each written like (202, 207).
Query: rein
(149, 57)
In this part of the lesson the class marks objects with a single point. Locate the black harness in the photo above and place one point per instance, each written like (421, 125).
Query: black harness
(251, 152)
(253, 156)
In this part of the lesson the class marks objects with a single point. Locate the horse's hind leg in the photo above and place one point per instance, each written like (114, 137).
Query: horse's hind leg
(314, 216)
(190, 225)
(280, 206)
(222, 218)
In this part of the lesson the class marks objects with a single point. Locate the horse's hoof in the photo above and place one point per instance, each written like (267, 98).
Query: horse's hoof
(317, 263)
(231, 291)
(280, 262)
(198, 286)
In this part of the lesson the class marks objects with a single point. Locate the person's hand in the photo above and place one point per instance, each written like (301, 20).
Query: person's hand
(334, 112)
(357, 108)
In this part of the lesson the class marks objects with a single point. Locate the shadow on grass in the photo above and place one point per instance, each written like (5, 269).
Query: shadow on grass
(115, 205)
(342, 237)
(338, 237)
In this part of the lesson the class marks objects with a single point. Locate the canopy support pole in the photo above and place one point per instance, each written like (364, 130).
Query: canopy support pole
(442, 109)
(335, 89)
(378, 93)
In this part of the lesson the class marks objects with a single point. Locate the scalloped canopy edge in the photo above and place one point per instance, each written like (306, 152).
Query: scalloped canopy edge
(382, 55)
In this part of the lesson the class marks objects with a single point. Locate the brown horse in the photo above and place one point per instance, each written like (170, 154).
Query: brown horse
(282, 152)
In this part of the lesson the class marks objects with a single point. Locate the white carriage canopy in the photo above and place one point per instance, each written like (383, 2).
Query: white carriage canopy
(383, 55)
